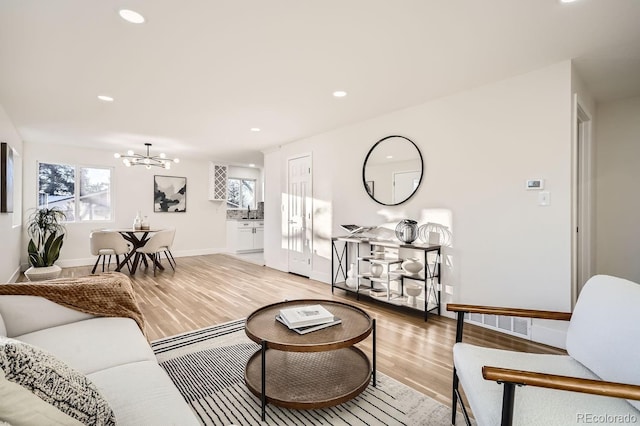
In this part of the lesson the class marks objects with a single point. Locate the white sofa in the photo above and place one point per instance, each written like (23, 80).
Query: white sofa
(112, 353)
(603, 346)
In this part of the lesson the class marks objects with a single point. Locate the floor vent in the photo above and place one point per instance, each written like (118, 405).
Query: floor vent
(515, 326)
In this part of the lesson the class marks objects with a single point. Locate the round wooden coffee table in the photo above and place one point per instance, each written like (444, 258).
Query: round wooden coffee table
(314, 370)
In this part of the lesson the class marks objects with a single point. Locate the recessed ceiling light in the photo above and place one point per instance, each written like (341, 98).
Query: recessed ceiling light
(252, 165)
(105, 98)
(389, 157)
(567, 1)
(255, 129)
(131, 16)
(339, 93)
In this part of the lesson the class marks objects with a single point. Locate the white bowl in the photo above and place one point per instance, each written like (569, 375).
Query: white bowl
(413, 290)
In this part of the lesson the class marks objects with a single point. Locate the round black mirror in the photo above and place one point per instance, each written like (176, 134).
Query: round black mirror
(392, 170)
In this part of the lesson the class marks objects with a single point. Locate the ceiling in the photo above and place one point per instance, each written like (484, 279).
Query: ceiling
(199, 74)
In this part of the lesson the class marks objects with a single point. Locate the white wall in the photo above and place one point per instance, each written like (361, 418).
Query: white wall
(10, 223)
(201, 230)
(479, 147)
(618, 201)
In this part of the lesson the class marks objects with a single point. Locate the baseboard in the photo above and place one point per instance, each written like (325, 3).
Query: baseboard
(89, 261)
(552, 334)
(15, 275)
(320, 276)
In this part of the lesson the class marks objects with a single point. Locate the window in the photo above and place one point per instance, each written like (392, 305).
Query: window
(241, 193)
(83, 193)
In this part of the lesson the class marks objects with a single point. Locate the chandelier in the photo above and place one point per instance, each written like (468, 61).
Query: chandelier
(147, 160)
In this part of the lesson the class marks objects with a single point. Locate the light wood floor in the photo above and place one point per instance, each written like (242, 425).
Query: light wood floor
(207, 290)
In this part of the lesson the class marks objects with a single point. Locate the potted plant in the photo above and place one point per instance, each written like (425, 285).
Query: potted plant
(47, 232)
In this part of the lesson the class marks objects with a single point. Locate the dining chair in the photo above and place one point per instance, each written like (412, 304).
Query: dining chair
(107, 243)
(159, 243)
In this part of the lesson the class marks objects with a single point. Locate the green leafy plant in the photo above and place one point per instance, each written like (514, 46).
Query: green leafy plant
(47, 233)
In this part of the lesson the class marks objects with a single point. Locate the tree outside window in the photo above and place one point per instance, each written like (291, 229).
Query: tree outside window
(58, 186)
(241, 193)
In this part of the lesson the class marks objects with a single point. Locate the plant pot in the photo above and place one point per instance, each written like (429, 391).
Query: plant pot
(43, 273)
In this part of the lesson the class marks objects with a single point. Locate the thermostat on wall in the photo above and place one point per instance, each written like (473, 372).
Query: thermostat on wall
(535, 184)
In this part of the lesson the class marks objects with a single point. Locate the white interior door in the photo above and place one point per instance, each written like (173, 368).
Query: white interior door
(582, 199)
(299, 215)
(404, 183)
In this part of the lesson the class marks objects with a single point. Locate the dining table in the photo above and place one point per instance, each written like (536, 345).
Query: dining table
(137, 238)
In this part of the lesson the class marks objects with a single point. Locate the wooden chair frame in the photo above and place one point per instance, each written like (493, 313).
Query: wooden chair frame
(512, 378)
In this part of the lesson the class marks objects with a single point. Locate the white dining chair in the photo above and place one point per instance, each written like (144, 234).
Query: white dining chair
(107, 243)
(159, 243)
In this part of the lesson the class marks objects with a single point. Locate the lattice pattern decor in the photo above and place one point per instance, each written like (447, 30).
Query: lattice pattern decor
(217, 182)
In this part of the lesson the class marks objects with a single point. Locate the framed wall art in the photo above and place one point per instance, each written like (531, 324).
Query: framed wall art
(6, 178)
(169, 194)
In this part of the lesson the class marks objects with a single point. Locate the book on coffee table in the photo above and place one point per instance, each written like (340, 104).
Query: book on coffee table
(310, 328)
(303, 316)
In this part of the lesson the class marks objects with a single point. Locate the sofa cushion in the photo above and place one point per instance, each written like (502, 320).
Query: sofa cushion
(141, 393)
(22, 408)
(533, 405)
(94, 344)
(604, 332)
(53, 382)
(25, 314)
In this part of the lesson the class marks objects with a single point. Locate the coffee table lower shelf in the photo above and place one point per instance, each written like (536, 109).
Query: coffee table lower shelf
(309, 380)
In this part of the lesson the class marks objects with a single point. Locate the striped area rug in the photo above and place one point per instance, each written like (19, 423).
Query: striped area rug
(207, 367)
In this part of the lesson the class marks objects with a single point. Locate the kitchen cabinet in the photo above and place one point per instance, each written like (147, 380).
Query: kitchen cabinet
(245, 235)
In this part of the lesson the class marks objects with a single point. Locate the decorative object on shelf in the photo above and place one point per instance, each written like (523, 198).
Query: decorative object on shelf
(132, 159)
(434, 234)
(378, 252)
(145, 224)
(407, 230)
(47, 234)
(137, 222)
(412, 265)
(376, 270)
(169, 194)
(393, 162)
(351, 277)
(412, 291)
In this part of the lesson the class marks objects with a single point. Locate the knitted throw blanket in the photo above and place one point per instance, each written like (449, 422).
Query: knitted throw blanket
(106, 295)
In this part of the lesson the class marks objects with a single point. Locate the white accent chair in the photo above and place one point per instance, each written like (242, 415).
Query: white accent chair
(598, 381)
(107, 243)
(159, 243)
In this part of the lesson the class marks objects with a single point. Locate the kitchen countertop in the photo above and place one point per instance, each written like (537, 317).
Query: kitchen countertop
(238, 219)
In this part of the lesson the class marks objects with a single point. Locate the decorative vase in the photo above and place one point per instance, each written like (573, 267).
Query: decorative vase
(412, 292)
(434, 234)
(412, 265)
(145, 224)
(407, 231)
(351, 277)
(43, 273)
(137, 222)
(376, 270)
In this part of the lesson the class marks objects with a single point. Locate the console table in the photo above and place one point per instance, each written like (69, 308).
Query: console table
(359, 251)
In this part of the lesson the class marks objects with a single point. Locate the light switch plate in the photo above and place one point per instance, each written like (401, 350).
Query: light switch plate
(544, 198)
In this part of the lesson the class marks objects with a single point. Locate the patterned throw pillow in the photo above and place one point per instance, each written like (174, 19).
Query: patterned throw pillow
(54, 382)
